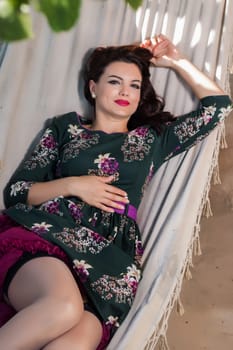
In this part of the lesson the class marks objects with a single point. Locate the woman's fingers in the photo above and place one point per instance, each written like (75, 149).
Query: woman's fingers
(112, 204)
(114, 192)
(98, 191)
(165, 53)
(115, 200)
(108, 204)
(117, 192)
(156, 41)
(105, 179)
(114, 197)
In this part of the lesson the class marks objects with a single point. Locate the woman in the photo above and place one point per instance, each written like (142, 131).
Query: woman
(70, 244)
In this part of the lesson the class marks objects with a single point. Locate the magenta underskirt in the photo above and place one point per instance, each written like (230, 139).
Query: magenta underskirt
(14, 241)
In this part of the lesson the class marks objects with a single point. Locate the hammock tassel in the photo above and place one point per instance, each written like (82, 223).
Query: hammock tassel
(216, 176)
(223, 142)
(197, 246)
(188, 274)
(162, 343)
(207, 211)
(179, 307)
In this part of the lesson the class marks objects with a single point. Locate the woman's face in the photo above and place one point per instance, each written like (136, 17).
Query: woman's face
(118, 90)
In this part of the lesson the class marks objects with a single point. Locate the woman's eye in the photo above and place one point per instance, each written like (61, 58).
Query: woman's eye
(136, 86)
(114, 82)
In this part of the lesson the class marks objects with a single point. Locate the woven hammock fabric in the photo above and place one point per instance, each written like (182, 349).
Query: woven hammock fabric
(38, 80)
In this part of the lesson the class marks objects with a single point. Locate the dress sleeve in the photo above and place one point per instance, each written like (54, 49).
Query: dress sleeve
(189, 129)
(38, 165)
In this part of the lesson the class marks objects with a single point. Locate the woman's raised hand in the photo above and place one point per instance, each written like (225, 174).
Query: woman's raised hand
(165, 53)
(97, 191)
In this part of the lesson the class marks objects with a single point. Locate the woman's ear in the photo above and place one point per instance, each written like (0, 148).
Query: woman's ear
(92, 85)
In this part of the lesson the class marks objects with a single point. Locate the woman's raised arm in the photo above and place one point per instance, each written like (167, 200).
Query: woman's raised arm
(167, 55)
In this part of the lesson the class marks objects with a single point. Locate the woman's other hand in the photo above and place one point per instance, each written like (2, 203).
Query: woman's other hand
(97, 191)
(93, 190)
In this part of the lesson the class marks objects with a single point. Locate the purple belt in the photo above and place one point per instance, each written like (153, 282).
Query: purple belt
(129, 211)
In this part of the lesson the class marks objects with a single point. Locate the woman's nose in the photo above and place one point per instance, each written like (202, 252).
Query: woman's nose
(124, 91)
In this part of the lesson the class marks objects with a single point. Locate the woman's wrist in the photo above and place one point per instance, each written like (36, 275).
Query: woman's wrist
(41, 192)
(181, 64)
(69, 185)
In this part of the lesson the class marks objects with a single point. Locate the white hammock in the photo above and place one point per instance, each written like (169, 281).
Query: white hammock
(38, 80)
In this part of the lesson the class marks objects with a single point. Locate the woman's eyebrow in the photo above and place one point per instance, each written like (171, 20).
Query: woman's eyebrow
(116, 76)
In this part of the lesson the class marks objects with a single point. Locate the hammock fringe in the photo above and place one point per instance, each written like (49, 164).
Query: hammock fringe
(179, 306)
(216, 176)
(158, 338)
(207, 211)
(197, 246)
(223, 141)
(188, 275)
(163, 343)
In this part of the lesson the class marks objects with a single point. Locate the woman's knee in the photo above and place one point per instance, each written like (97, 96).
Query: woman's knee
(47, 284)
(84, 336)
(40, 278)
(78, 345)
(67, 310)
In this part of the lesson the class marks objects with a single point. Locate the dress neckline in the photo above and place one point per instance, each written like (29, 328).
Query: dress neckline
(99, 131)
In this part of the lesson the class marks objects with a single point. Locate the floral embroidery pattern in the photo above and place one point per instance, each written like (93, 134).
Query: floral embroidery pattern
(80, 140)
(138, 251)
(224, 112)
(73, 130)
(93, 219)
(45, 152)
(133, 277)
(113, 321)
(106, 166)
(25, 208)
(20, 187)
(81, 268)
(83, 240)
(191, 126)
(207, 116)
(106, 218)
(122, 290)
(137, 144)
(76, 211)
(132, 232)
(52, 206)
(123, 226)
(41, 228)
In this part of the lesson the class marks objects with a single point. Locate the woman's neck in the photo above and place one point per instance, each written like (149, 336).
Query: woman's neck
(109, 127)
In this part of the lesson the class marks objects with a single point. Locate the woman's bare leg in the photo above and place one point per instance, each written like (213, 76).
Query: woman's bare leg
(85, 336)
(48, 302)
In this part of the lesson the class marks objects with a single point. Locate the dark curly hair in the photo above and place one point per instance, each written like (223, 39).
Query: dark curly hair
(150, 110)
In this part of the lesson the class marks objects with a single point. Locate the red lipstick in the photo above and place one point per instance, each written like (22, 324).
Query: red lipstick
(122, 103)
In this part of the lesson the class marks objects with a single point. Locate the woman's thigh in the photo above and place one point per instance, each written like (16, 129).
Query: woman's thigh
(43, 277)
(85, 336)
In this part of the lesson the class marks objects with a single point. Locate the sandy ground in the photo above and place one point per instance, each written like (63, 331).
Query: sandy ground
(207, 323)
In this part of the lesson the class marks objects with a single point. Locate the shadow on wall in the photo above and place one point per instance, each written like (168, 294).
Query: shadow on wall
(231, 83)
(3, 47)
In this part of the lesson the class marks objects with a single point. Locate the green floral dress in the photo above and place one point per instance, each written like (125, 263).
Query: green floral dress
(103, 248)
